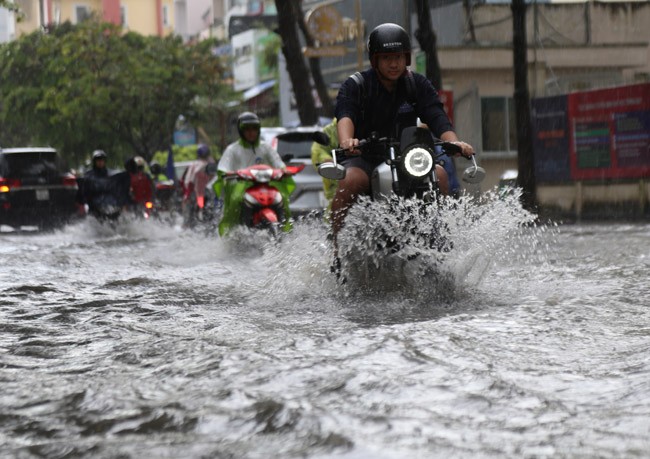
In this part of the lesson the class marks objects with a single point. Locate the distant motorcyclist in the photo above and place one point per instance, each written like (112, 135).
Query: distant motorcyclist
(249, 149)
(245, 152)
(104, 192)
(164, 189)
(157, 173)
(142, 187)
(197, 175)
(193, 183)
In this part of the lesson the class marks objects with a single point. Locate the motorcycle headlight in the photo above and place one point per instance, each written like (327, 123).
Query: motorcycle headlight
(418, 162)
(263, 175)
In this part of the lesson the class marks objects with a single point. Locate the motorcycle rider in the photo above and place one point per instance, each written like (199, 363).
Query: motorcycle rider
(193, 182)
(157, 173)
(248, 150)
(164, 189)
(323, 154)
(98, 183)
(142, 187)
(382, 105)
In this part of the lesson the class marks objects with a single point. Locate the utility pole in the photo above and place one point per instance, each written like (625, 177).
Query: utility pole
(428, 40)
(525, 159)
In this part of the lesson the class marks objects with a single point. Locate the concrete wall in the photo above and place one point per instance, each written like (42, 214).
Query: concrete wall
(588, 200)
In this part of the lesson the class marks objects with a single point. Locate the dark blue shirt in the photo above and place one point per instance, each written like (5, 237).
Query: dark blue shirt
(388, 113)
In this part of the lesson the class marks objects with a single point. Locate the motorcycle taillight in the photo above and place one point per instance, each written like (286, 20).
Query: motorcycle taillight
(69, 180)
(6, 184)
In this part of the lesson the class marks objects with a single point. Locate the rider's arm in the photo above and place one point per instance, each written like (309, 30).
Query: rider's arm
(348, 111)
(430, 109)
(345, 129)
(272, 156)
(434, 116)
(225, 163)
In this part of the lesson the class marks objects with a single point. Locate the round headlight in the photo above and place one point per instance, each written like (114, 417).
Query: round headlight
(418, 162)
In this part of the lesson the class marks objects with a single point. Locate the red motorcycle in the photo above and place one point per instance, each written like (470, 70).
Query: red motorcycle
(259, 198)
(142, 189)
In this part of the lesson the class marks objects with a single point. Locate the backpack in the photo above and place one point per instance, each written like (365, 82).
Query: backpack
(411, 96)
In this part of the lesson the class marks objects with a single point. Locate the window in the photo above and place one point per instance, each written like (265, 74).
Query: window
(165, 16)
(123, 17)
(498, 124)
(82, 13)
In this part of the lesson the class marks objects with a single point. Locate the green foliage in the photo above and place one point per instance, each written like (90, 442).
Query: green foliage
(88, 86)
(181, 153)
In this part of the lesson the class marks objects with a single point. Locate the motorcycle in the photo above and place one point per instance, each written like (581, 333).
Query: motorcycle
(263, 194)
(141, 203)
(199, 204)
(406, 187)
(105, 197)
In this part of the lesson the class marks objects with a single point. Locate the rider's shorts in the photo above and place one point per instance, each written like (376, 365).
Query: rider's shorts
(362, 163)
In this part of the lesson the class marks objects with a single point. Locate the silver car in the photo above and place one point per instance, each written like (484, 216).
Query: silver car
(294, 146)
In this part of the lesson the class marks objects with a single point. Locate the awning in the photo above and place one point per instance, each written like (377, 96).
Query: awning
(258, 89)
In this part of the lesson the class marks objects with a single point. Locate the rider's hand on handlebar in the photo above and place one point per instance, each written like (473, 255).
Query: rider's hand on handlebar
(466, 149)
(350, 145)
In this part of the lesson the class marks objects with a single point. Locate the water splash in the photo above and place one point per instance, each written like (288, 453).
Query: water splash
(430, 251)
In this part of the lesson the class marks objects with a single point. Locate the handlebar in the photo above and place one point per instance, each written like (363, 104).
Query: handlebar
(447, 147)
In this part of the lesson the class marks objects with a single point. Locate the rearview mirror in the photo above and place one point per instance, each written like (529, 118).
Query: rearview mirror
(474, 174)
(331, 171)
(321, 138)
(304, 136)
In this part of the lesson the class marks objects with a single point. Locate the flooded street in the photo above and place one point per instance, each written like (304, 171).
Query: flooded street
(147, 341)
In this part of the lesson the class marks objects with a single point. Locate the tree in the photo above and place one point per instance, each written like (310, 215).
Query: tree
(314, 65)
(428, 41)
(295, 63)
(90, 86)
(525, 160)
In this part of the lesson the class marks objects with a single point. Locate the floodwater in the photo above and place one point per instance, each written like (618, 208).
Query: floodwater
(145, 341)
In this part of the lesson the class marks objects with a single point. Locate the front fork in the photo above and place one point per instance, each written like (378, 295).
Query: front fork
(393, 170)
(427, 196)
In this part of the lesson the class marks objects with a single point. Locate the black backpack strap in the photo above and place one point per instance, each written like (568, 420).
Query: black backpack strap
(361, 83)
(411, 92)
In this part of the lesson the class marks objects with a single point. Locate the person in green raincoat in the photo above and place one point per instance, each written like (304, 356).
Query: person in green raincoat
(322, 154)
(245, 152)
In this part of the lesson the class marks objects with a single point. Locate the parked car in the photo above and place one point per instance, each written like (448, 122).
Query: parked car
(294, 146)
(36, 188)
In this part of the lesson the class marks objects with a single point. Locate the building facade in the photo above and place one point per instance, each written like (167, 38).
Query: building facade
(147, 17)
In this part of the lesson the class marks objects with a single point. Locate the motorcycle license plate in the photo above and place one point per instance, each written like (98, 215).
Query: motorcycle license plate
(42, 195)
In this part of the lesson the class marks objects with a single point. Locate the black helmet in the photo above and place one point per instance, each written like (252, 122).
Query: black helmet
(203, 151)
(155, 168)
(247, 119)
(388, 38)
(98, 154)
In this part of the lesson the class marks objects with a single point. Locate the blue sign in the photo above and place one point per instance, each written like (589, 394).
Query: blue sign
(185, 136)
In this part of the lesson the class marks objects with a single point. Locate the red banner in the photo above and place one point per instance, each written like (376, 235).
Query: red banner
(609, 133)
